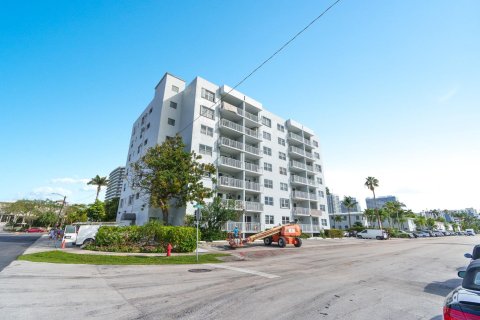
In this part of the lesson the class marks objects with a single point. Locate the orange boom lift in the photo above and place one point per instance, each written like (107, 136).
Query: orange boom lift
(283, 235)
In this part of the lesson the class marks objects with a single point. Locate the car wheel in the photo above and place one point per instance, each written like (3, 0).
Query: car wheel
(378, 238)
(359, 237)
(298, 242)
(282, 242)
(86, 243)
(267, 241)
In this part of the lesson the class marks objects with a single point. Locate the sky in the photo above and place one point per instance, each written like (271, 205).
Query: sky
(390, 87)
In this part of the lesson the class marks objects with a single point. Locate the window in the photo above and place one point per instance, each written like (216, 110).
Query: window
(283, 186)
(148, 125)
(267, 151)
(319, 181)
(130, 157)
(318, 168)
(207, 112)
(130, 200)
(209, 95)
(175, 89)
(145, 142)
(124, 186)
(206, 130)
(285, 220)
(324, 222)
(322, 207)
(281, 141)
(283, 171)
(284, 203)
(267, 166)
(121, 203)
(150, 111)
(139, 148)
(171, 121)
(315, 143)
(317, 155)
(267, 136)
(173, 105)
(203, 149)
(266, 122)
(268, 183)
(269, 219)
(269, 201)
(357, 218)
(282, 156)
(137, 195)
(321, 194)
(280, 127)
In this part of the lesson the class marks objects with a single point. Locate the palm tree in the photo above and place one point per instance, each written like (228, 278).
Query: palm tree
(371, 183)
(99, 182)
(420, 221)
(349, 203)
(370, 215)
(337, 219)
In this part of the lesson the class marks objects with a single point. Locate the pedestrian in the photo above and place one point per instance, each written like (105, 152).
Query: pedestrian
(235, 234)
(52, 234)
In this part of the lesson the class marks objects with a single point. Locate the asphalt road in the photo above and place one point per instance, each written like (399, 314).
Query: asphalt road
(325, 279)
(13, 245)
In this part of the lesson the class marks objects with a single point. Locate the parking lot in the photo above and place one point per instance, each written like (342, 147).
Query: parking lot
(324, 279)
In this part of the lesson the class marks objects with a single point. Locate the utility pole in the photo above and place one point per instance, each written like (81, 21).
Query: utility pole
(61, 208)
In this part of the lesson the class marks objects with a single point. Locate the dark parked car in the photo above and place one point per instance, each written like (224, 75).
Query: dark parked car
(35, 230)
(421, 234)
(475, 253)
(464, 301)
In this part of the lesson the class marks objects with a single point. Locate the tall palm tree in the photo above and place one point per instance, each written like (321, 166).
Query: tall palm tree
(349, 203)
(337, 219)
(99, 182)
(370, 215)
(371, 183)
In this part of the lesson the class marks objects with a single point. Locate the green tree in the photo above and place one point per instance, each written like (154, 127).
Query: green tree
(371, 215)
(214, 216)
(99, 182)
(430, 223)
(371, 183)
(76, 213)
(29, 210)
(111, 208)
(96, 211)
(420, 222)
(349, 203)
(172, 176)
(46, 219)
(395, 212)
(336, 219)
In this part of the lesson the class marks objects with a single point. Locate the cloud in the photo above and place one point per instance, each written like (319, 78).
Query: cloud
(69, 181)
(449, 95)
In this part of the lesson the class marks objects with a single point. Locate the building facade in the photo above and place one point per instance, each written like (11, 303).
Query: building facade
(115, 180)
(380, 201)
(333, 202)
(356, 208)
(269, 166)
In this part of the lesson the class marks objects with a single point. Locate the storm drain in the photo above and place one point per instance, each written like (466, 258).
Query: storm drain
(199, 270)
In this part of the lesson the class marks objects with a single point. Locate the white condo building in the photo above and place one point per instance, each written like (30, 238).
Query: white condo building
(270, 166)
(115, 181)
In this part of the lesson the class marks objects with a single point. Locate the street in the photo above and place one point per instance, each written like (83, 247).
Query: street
(324, 279)
(13, 245)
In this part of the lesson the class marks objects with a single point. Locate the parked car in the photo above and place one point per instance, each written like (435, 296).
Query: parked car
(438, 233)
(475, 253)
(421, 234)
(470, 232)
(408, 234)
(464, 301)
(35, 230)
(373, 234)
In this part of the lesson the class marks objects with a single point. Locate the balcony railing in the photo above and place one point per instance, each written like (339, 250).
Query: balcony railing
(252, 133)
(315, 212)
(308, 155)
(250, 227)
(231, 125)
(309, 167)
(296, 150)
(230, 182)
(230, 162)
(253, 206)
(249, 116)
(298, 165)
(252, 149)
(299, 138)
(237, 204)
(252, 167)
(231, 143)
(243, 113)
(300, 195)
(298, 179)
(300, 211)
(309, 228)
(311, 182)
(252, 186)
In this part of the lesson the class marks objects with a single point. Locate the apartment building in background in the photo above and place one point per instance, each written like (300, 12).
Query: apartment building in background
(270, 167)
(380, 201)
(115, 180)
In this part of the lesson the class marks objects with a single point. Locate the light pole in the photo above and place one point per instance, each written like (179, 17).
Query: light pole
(63, 205)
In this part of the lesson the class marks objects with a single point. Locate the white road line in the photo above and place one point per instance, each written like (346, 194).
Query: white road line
(257, 273)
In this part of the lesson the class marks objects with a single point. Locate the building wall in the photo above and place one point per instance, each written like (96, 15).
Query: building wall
(380, 201)
(188, 123)
(115, 179)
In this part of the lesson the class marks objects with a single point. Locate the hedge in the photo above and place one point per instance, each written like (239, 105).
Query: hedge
(334, 233)
(151, 237)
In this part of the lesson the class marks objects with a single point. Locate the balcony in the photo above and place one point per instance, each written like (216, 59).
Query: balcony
(304, 195)
(237, 204)
(250, 227)
(240, 112)
(309, 168)
(298, 179)
(230, 182)
(247, 205)
(300, 211)
(296, 151)
(252, 133)
(298, 138)
(224, 123)
(248, 115)
(308, 155)
(253, 206)
(252, 167)
(309, 228)
(230, 162)
(252, 150)
(226, 142)
(315, 212)
(311, 182)
(298, 165)
(252, 186)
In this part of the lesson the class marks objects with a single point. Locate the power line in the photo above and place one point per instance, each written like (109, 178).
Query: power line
(267, 60)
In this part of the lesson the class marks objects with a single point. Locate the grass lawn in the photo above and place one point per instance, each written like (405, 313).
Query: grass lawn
(72, 258)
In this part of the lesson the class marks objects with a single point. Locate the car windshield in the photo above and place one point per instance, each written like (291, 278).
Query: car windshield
(70, 229)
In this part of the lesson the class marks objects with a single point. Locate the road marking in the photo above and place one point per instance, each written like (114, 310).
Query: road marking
(257, 273)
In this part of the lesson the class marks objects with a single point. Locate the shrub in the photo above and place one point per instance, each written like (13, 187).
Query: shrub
(334, 233)
(152, 237)
(305, 235)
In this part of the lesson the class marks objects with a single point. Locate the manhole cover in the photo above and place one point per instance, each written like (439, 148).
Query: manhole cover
(199, 270)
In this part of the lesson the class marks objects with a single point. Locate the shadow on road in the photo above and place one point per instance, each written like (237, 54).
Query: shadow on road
(442, 288)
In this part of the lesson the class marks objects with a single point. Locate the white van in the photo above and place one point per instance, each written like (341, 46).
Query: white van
(470, 232)
(87, 231)
(373, 234)
(70, 234)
